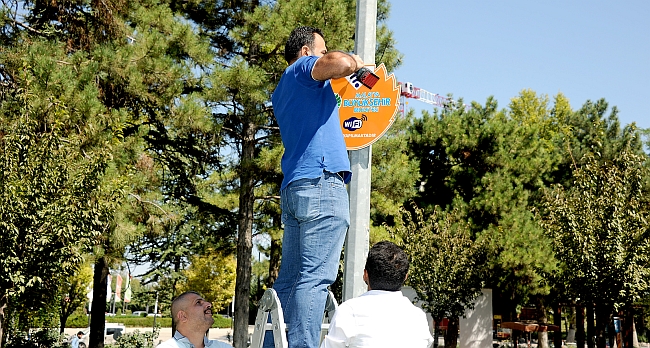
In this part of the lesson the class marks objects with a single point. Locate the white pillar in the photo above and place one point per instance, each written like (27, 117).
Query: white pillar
(476, 327)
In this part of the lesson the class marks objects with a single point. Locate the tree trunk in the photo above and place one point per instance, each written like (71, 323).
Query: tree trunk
(97, 316)
(571, 332)
(542, 336)
(177, 269)
(611, 333)
(591, 333)
(66, 311)
(642, 325)
(580, 328)
(628, 327)
(635, 336)
(245, 236)
(62, 320)
(603, 316)
(436, 327)
(557, 320)
(275, 252)
(451, 335)
(3, 306)
(435, 336)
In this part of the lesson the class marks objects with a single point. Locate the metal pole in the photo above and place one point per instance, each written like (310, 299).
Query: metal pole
(155, 313)
(113, 306)
(357, 240)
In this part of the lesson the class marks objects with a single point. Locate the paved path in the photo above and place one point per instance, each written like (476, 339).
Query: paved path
(166, 333)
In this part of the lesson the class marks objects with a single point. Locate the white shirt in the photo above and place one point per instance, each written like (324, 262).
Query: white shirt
(180, 341)
(378, 319)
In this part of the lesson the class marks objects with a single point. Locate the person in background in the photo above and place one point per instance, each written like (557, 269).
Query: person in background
(75, 340)
(192, 315)
(381, 317)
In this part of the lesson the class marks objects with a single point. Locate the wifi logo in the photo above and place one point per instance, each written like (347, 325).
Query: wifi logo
(353, 123)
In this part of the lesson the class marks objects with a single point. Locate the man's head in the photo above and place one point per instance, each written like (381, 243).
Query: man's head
(304, 41)
(386, 267)
(190, 310)
(80, 333)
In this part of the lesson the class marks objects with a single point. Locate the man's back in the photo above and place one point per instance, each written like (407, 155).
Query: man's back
(308, 117)
(378, 319)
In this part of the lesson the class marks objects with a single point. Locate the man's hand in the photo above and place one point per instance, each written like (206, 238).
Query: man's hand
(336, 64)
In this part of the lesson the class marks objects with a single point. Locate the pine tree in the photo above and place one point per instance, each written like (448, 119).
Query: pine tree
(120, 71)
(488, 164)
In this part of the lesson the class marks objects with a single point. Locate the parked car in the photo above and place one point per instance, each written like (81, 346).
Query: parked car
(139, 313)
(111, 332)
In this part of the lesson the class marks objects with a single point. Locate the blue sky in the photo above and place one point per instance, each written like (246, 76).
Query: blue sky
(586, 50)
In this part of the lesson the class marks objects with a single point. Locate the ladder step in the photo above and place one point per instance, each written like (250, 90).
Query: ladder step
(269, 327)
(270, 305)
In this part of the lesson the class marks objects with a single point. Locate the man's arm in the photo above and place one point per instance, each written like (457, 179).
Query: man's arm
(336, 64)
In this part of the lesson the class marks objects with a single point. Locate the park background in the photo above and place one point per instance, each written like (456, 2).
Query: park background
(140, 134)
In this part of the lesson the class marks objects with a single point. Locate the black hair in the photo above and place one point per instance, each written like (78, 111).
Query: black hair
(387, 266)
(301, 36)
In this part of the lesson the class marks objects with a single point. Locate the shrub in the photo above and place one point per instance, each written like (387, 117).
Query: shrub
(137, 339)
(130, 321)
(77, 320)
(48, 338)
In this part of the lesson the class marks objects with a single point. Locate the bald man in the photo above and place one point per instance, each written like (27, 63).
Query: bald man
(192, 315)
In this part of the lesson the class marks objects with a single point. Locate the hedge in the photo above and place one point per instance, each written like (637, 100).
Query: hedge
(133, 321)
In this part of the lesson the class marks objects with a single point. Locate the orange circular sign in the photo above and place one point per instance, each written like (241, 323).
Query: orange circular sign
(366, 114)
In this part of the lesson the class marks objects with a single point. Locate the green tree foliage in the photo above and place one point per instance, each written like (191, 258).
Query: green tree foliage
(53, 200)
(124, 73)
(588, 130)
(493, 166)
(447, 267)
(394, 173)
(599, 228)
(138, 339)
(213, 275)
(73, 293)
(487, 165)
(38, 339)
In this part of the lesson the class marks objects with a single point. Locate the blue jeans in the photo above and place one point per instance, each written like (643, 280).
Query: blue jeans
(316, 216)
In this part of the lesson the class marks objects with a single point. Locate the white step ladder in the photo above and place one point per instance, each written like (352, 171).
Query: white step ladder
(270, 304)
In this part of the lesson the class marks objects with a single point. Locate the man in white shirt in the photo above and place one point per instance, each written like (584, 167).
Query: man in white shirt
(193, 317)
(381, 317)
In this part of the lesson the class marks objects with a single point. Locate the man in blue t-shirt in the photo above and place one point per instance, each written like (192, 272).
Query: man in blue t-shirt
(315, 204)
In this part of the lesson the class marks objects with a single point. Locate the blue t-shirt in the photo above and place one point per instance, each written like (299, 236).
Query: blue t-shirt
(308, 116)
